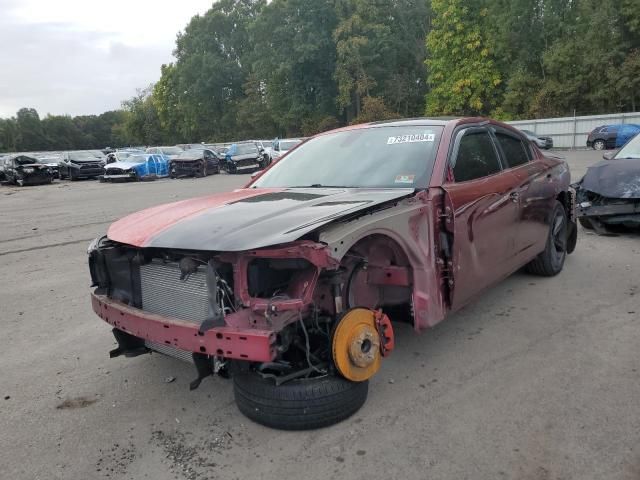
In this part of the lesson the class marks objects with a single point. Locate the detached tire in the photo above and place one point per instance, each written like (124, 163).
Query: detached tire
(550, 262)
(301, 404)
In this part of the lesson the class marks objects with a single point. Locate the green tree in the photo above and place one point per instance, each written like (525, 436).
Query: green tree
(380, 53)
(294, 60)
(30, 134)
(462, 74)
(8, 134)
(253, 115)
(62, 132)
(577, 78)
(197, 95)
(373, 110)
(142, 124)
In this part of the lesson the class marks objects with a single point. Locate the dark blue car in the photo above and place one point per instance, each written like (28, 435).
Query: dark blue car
(611, 136)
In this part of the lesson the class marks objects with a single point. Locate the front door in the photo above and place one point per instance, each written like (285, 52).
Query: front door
(483, 215)
(151, 166)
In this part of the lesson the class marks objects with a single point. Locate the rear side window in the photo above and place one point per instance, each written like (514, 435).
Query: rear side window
(476, 157)
(514, 149)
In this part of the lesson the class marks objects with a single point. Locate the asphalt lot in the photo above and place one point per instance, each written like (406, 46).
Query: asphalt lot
(538, 380)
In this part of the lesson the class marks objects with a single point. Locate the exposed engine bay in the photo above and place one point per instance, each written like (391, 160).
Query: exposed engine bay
(274, 310)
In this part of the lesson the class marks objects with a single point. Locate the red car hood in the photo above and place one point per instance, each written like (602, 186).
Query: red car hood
(246, 218)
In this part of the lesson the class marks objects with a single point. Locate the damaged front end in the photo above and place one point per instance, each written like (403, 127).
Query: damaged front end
(598, 212)
(271, 309)
(609, 194)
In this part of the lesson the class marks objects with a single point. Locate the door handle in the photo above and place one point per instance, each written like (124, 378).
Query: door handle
(514, 196)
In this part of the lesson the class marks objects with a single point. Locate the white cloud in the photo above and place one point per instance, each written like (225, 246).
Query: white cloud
(84, 57)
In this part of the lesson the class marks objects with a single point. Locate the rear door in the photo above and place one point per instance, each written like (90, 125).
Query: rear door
(483, 215)
(534, 191)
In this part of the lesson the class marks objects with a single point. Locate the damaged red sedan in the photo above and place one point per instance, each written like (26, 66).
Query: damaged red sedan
(290, 284)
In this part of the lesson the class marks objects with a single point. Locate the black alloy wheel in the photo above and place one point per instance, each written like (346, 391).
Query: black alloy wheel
(551, 261)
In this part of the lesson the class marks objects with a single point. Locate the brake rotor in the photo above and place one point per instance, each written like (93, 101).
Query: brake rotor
(356, 345)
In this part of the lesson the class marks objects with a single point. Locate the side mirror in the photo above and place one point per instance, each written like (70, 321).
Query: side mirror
(609, 155)
(255, 174)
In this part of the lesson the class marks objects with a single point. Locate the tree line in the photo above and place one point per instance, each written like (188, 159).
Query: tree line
(248, 69)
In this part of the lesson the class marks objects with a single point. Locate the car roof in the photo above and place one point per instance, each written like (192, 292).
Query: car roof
(21, 155)
(422, 121)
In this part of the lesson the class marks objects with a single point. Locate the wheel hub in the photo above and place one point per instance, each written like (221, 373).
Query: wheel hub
(356, 345)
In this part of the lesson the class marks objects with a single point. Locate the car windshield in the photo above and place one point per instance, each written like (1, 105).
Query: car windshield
(528, 132)
(631, 149)
(171, 150)
(25, 161)
(246, 148)
(83, 156)
(285, 145)
(192, 154)
(376, 157)
(137, 159)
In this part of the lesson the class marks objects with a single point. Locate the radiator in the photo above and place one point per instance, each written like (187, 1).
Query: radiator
(163, 293)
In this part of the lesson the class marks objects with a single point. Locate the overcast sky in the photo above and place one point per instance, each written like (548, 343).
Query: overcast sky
(82, 57)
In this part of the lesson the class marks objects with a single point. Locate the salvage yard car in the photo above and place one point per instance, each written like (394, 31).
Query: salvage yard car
(290, 284)
(195, 162)
(542, 141)
(170, 152)
(243, 157)
(51, 160)
(611, 136)
(81, 164)
(609, 193)
(143, 166)
(24, 170)
(282, 146)
(121, 155)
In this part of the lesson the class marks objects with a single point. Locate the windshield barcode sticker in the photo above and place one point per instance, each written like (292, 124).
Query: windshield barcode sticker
(418, 137)
(405, 179)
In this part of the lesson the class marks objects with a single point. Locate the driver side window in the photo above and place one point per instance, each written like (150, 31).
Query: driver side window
(476, 157)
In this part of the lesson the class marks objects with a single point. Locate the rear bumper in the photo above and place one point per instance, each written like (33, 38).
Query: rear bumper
(235, 343)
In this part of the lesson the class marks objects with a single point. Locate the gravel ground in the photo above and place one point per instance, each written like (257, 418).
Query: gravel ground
(538, 380)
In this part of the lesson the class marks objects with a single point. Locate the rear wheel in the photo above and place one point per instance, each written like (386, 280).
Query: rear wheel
(551, 260)
(599, 144)
(299, 404)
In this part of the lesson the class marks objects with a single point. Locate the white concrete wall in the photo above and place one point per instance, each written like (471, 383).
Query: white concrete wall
(571, 132)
